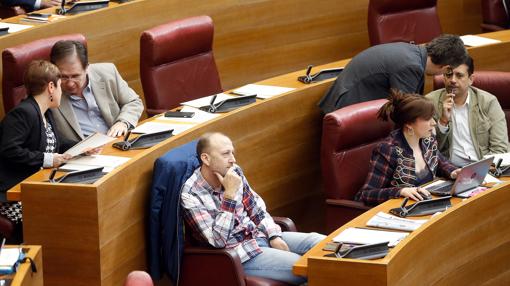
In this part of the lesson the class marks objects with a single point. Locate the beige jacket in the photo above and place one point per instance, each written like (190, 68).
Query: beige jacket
(115, 99)
(487, 123)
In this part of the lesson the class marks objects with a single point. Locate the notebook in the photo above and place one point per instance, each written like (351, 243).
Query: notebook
(470, 177)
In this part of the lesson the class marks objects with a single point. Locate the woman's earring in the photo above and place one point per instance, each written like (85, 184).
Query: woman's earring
(51, 98)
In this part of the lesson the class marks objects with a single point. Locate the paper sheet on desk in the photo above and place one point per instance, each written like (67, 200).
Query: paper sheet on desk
(93, 141)
(13, 28)
(369, 236)
(206, 101)
(262, 91)
(9, 256)
(88, 162)
(199, 117)
(384, 220)
(505, 157)
(476, 41)
(153, 127)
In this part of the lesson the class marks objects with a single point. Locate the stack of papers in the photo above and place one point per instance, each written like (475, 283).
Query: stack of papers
(206, 101)
(8, 257)
(90, 162)
(476, 41)
(368, 236)
(154, 127)
(384, 220)
(13, 28)
(93, 141)
(262, 91)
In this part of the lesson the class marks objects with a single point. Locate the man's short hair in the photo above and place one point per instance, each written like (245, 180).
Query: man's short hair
(470, 65)
(66, 48)
(447, 50)
(204, 142)
(38, 75)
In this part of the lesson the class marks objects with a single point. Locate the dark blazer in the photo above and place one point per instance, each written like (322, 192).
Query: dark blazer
(372, 73)
(27, 4)
(166, 233)
(22, 143)
(392, 167)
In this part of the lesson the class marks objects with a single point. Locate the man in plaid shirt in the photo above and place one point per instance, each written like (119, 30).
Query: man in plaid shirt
(223, 211)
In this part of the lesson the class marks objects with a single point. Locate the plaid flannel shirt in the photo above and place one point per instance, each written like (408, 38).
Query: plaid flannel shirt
(392, 167)
(226, 223)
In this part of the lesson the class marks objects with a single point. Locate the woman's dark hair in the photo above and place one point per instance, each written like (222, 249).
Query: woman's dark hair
(403, 108)
(38, 75)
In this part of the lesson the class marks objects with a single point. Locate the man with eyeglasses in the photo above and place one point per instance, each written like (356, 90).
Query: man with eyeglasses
(470, 121)
(96, 98)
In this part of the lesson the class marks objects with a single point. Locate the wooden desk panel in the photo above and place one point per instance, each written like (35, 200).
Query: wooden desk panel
(466, 245)
(254, 39)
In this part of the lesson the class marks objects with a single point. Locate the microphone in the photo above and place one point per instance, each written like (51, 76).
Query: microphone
(212, 108)
(62, 10)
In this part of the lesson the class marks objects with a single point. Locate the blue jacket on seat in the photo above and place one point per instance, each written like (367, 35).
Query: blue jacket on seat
(166, 230)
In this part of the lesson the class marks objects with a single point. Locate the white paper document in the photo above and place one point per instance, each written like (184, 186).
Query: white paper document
(262, 91)
(153, 127)
(505, 157)
(206, 101)
(476, 41)
(369, 236)
(89, 162)
(93, 141)
(384, 220)
(13, 28)
(199, 117)
(9, 256)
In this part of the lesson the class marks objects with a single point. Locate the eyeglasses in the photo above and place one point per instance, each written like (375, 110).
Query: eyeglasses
(458, 75)
(75, 77)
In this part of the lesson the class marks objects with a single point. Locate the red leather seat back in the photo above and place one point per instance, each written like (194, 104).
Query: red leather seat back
(177, 63)
(15, 61)
(494, 16)
(495, 82)
(402, 21)
(348, 137)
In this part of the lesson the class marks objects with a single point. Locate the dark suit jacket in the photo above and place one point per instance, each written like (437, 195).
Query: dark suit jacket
(27, 4)
(371, 74)
(22, 143)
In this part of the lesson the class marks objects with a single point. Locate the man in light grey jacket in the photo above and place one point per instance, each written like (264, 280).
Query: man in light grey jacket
(471, 123)
(95, 97)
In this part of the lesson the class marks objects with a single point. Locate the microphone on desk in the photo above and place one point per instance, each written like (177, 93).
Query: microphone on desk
(52, 175)
(62, 10)
(212, 108)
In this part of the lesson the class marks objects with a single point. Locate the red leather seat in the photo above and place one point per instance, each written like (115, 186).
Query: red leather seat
(402, 21)
(15, 61)
(349, 135)
(222, 264)
(494, 16)
(7, 11)
(495, 82)
(177, 63)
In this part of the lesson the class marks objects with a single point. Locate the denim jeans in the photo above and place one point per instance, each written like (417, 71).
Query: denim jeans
(277, 264)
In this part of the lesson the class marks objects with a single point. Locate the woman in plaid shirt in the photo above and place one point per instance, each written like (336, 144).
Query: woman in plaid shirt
(409, 156)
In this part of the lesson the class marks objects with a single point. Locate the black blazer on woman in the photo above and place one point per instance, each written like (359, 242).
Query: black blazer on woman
(22, 143)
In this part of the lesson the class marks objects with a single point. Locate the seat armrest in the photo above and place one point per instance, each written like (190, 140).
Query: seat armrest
(285, 223)
(204, 263)
(348, 204)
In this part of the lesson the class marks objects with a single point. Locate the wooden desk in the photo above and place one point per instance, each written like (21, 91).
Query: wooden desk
(469, 244)
(24, 276)
(95, 234)
(254, 39)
